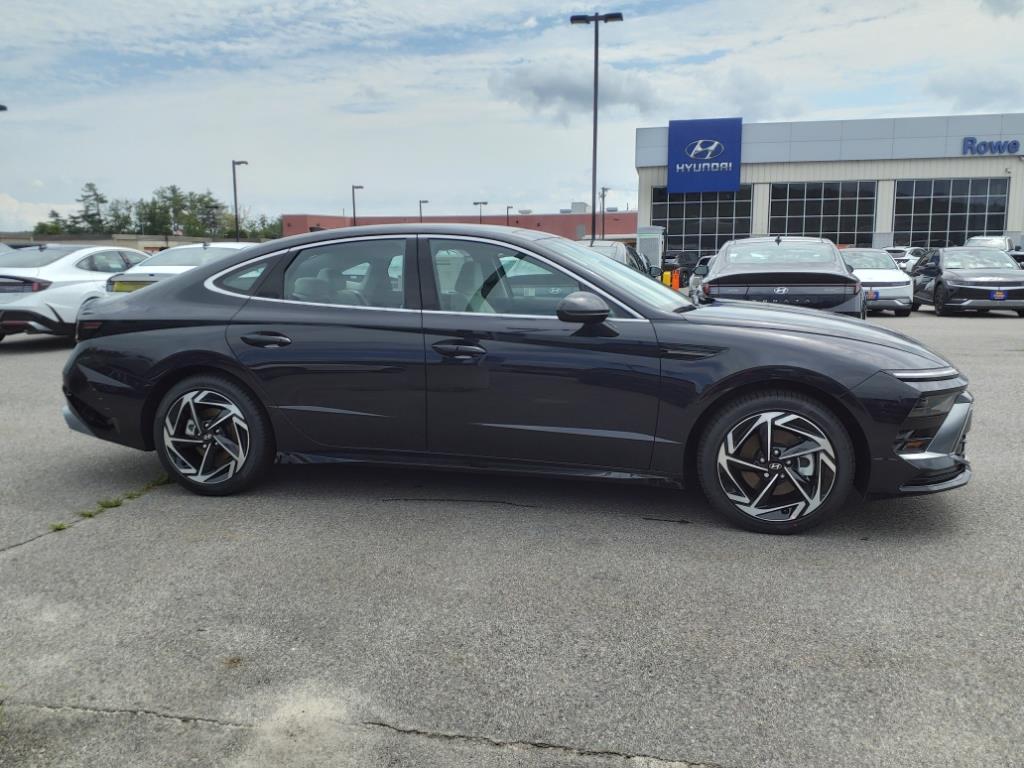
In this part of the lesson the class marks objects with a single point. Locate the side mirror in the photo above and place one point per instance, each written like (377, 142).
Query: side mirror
(701, 271)
(849, 269)
(582, 307)
(654, 271)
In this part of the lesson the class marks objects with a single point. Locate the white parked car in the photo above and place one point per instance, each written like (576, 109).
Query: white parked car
(884, 284)
(906, 256)
(991, 241)
(42, 287)
(168, 263)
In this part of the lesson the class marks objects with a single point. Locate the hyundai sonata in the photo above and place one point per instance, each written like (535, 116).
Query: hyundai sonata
(503, 349)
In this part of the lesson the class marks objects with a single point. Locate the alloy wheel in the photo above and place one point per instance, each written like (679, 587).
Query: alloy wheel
(776, 466)
(206, 436)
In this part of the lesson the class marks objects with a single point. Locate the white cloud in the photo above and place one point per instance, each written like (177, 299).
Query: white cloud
(19, 216)
(441, 99)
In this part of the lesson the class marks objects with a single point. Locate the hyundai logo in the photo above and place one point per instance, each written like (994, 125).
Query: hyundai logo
(704, 149)
(782, 289)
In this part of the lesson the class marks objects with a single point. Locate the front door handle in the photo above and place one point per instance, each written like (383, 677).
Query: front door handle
(268, 339)
(459, 351)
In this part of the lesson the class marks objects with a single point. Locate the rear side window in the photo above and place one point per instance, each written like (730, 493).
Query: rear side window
(361, 273)
(244, 279)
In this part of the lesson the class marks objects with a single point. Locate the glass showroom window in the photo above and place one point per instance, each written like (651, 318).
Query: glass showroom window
(842, 211)
(940, 212)
(701, 221)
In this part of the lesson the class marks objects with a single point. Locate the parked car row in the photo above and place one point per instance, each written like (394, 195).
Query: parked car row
(512, 350)
(43, 287)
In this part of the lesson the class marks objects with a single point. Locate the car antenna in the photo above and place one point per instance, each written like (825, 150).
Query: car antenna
(778, 239)
(205, 244)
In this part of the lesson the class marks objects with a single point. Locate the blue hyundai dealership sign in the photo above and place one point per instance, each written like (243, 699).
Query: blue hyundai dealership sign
(704, 155)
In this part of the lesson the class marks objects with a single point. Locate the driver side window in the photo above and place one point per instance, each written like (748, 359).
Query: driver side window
(491, 279)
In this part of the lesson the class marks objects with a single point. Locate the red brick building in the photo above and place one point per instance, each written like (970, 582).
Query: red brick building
(619, 225)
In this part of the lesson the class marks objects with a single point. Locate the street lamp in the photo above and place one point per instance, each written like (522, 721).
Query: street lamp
(354, 188)
(508, 208)
(604, 191)
(421, 209)
(481, 204)
(595, 19)
(234, 185)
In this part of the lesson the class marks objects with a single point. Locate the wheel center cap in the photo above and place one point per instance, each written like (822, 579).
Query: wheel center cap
(775, 466)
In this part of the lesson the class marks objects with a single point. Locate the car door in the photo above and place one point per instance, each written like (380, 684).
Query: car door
(508, 381)
(924, 275)
(334, 335)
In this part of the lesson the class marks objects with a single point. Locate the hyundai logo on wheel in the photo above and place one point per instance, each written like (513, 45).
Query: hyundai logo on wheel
(704, 149)
(704, 155)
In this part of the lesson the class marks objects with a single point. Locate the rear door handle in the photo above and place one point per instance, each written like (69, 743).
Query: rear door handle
(459, 351)
(268, 339)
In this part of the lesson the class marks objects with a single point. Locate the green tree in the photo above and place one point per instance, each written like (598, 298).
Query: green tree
(90, 216)
(120, 218)
(54, 225)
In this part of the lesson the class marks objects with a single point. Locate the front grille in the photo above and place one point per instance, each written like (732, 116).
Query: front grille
(984, 292)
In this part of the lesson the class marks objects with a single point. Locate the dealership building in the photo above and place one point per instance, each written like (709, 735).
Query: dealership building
(930, 181)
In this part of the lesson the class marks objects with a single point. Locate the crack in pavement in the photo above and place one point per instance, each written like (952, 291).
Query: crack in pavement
(130, 495)
(471, 501)
(652, 760)
(116, 711)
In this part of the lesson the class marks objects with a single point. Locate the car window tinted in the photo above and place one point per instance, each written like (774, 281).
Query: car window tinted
(781, 253)
(243, 280)
(493, 279)
(132, 257)
(367, 273)
(33, 257)
(869, 260)
(189, 256)
(103, 261)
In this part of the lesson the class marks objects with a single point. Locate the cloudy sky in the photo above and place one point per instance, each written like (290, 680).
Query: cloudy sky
(450, 100)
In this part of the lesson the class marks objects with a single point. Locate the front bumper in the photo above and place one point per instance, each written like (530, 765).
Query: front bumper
(943, 464)
(883, 303)
(984, 303)
(26, 321)
(74, 421)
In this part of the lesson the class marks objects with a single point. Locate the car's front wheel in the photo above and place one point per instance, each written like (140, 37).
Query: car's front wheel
(212, 436)
(777, 462)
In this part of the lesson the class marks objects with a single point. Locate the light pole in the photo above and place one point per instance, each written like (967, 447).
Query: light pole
(508, 209)
(234, 185)
(480, 204)
(595, 19)
(421, 209)
(354, 188)
(604, 191)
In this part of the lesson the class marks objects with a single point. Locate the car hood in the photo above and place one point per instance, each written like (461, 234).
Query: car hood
(814, 322)
(881, 275)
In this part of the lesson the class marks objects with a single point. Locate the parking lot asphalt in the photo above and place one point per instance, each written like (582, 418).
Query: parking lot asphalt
(351, 616)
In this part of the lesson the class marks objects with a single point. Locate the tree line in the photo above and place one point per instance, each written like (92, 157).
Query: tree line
(169, 211)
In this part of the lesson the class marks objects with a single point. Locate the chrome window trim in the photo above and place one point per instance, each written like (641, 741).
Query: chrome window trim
(471, 238)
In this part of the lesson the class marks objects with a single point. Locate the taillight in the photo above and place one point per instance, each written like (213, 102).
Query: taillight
(86, 329)
(110, 285)
(853, 290)
(40, 285)
(706, 288)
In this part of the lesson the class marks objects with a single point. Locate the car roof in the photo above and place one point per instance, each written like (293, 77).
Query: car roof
(211, 244)
(588, 241)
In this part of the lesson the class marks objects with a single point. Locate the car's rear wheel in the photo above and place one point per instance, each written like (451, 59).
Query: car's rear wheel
(212, 436)
(777, 462)
(902, 313)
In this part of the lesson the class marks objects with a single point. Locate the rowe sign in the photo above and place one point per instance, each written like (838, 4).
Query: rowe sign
(974, 147)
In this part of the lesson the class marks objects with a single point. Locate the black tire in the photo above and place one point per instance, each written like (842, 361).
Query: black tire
(915, 305)
(223, 393)
(940, 302)
(736, 416)
(1020, 313)
(902, 312)
(982, 311)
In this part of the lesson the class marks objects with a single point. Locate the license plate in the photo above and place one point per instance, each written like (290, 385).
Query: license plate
(871, 295)
(997, 295)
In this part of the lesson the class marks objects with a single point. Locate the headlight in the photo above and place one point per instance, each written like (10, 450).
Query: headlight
(934, 405)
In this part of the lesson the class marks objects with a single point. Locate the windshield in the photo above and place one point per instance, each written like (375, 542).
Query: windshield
(649, 291)
(34, 257)
(990, 242)
(189, 256)
(610, 251)
(977, 258)
(769, 253)
(869, 259)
